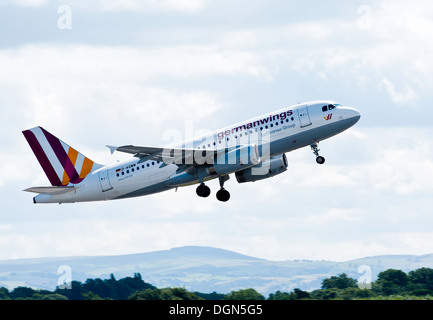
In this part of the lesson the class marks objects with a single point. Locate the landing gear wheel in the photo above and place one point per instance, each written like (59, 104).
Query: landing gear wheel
(314, 146)
(320, 160)
(223, 195)
(203, 191)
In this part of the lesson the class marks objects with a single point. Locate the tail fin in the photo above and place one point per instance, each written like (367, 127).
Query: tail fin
(62, 164)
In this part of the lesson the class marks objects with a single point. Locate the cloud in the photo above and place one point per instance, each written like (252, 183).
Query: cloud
(393, 53)
(62, 87)
(360, 159)
(408, 97)
(186, 6)
(25, 3)
(334, 215)
(12, 168)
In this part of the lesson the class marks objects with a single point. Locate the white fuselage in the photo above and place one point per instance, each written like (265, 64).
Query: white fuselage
(275, 133)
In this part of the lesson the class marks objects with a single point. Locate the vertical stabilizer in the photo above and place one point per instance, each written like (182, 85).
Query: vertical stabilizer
(62, 164)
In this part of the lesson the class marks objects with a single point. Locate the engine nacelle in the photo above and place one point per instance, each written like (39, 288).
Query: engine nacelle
(268, 168)
(237, 159)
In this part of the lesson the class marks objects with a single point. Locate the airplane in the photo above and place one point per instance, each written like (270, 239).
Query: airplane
(252, 150)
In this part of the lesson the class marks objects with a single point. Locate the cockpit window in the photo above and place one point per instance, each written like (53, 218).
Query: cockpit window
(330, 107)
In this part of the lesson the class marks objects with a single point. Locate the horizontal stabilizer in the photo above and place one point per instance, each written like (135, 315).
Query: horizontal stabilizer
(51, 190)
(112, 148)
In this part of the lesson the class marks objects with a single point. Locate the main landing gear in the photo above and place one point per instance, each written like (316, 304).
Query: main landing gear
(203, 190)
(222, 194)
(315, 147)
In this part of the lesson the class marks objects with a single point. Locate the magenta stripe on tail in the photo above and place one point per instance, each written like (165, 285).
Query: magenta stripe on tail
(61, 155)
(42, 158)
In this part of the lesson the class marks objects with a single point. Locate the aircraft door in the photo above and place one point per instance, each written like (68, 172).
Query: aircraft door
(105, 181)
(304, 116)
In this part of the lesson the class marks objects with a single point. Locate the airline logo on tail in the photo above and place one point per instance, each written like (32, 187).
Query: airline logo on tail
(62, 164)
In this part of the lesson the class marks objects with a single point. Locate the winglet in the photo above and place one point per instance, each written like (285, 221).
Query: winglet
(112, 148)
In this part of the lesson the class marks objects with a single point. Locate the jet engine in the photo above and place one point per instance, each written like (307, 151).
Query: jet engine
(237, 159)
(266, 169)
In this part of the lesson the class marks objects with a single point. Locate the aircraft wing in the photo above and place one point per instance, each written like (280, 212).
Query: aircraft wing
(50, 190)
(169, 155)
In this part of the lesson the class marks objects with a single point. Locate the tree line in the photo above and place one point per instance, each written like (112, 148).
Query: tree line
(391, 284)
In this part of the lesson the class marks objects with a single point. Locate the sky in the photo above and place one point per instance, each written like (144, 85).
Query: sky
(123, 72)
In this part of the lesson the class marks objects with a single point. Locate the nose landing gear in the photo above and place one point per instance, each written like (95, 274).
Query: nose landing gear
(315, 147)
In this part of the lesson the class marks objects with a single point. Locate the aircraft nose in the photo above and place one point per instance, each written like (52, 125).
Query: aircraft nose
(356, 114)
(352, 114)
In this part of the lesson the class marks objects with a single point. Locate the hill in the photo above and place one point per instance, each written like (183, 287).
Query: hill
(203, 269)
